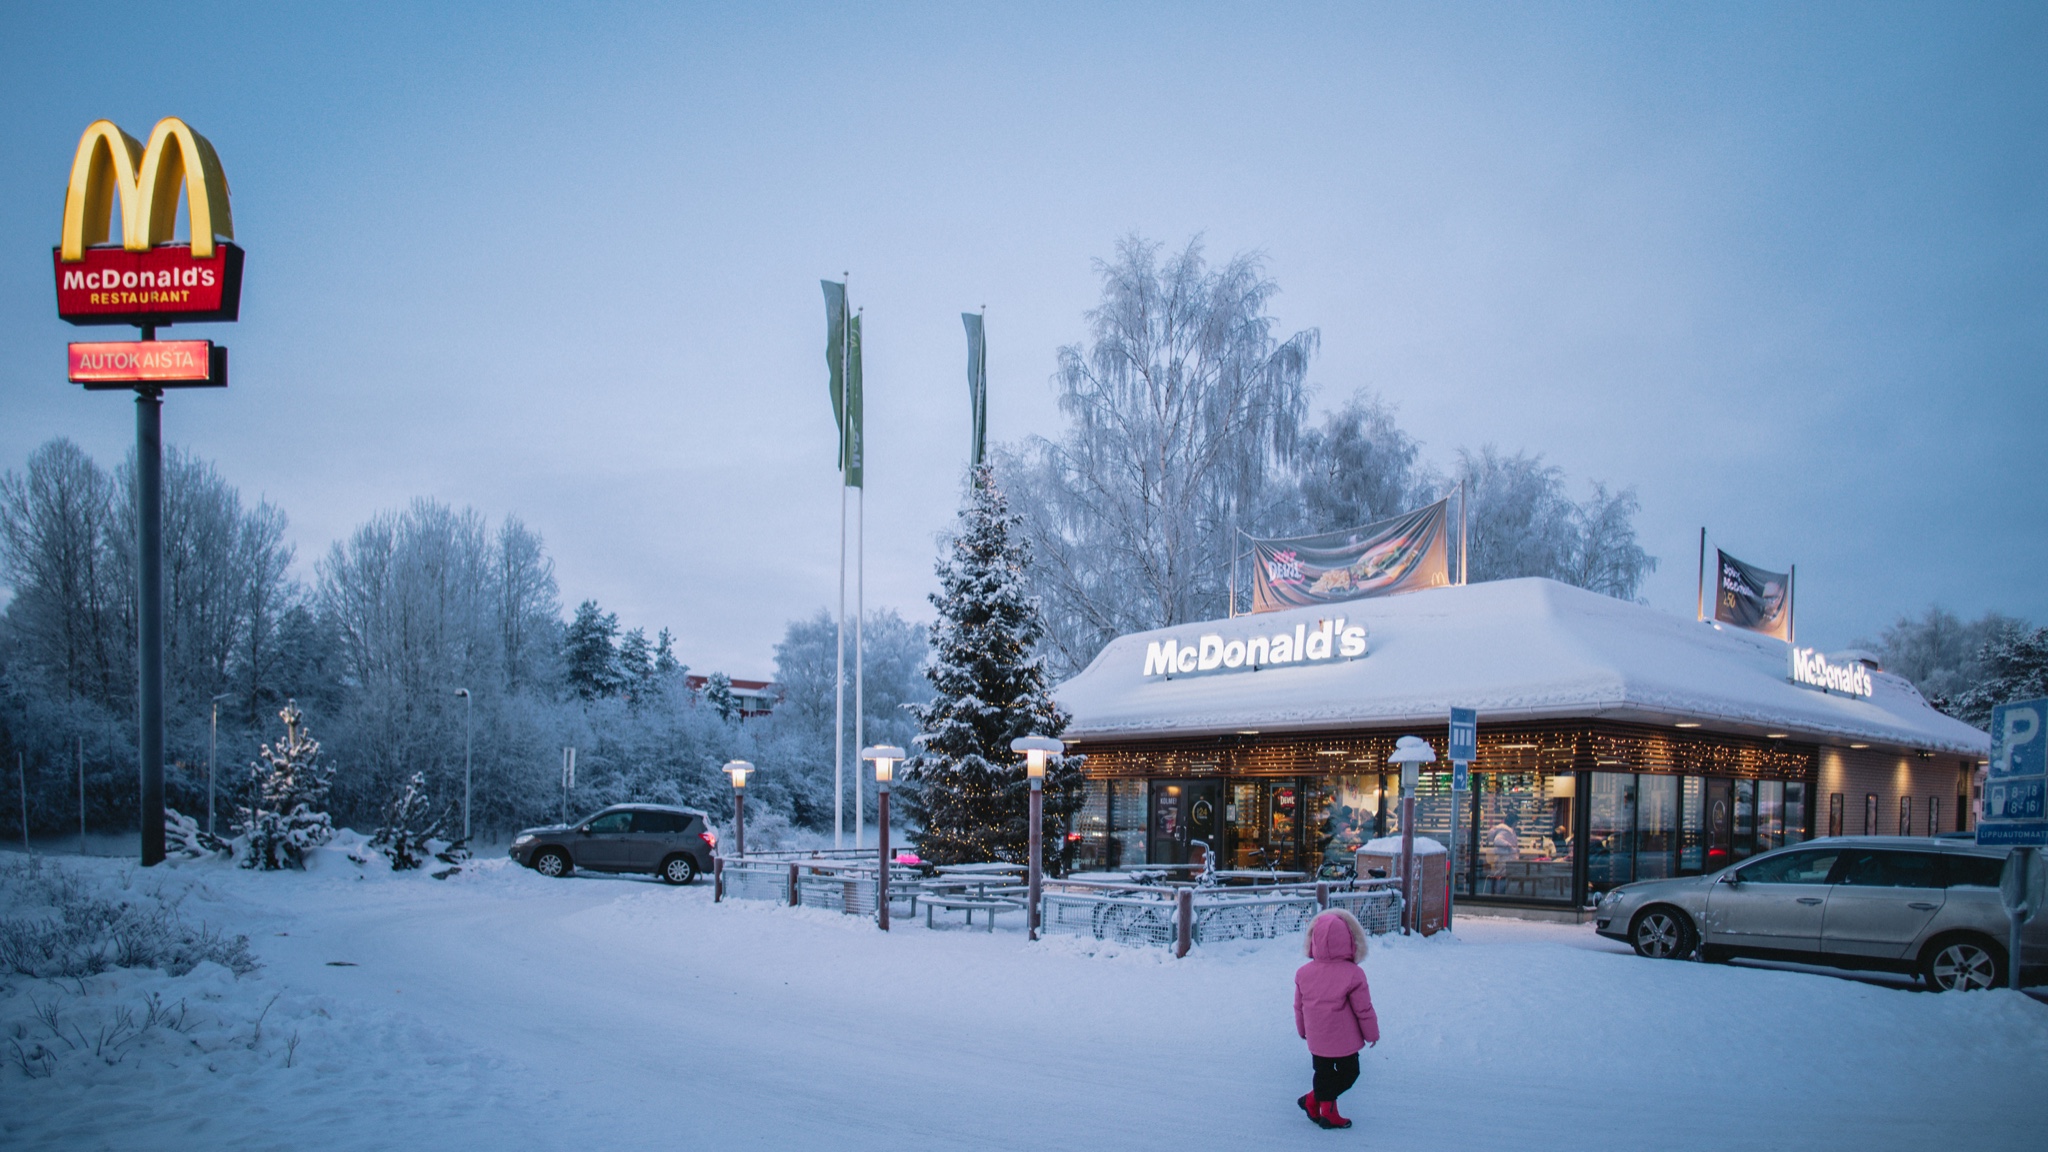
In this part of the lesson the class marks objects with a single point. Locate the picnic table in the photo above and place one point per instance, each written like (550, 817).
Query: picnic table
(968, 904)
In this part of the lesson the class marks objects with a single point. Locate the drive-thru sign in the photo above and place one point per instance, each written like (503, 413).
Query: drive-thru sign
(2017, 781)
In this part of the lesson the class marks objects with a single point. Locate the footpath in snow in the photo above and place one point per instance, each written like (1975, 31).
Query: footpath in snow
(498, 1009)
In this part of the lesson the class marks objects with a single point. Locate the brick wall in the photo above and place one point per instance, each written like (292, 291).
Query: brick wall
(1856, 773)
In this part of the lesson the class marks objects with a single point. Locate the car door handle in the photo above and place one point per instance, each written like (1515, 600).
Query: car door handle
(1809, 899)
(1923, 907)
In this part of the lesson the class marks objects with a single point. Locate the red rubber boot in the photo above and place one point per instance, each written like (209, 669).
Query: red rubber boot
(1329, 1117)
(1314, 1108)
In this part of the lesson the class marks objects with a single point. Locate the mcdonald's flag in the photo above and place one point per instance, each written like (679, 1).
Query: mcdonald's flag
(1749, 597)
(842, 358)
(977, 385)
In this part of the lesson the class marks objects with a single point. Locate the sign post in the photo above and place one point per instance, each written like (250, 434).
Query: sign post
(2015, 786)
(150, 282)
(1463, 749)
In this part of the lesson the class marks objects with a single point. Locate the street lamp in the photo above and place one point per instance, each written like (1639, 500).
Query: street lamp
(1410, 752)
(468, 741)
(738, 770)
(885, 757)
(1035, 749)
(212, 757)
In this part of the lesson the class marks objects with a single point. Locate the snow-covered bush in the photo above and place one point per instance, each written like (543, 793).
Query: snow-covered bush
(184, 839)
(409, 824)
(61, 926)
(291, 787)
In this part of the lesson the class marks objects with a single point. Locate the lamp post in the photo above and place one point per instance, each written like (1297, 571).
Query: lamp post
(738, 770)
(212, 759)
(468, 741)
(1410, 752)
(1035, 750)
(885, 757)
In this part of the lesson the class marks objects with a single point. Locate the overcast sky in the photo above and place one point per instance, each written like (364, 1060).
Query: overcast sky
(1780, 268)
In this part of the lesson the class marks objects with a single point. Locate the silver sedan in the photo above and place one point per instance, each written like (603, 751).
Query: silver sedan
(1902, 904)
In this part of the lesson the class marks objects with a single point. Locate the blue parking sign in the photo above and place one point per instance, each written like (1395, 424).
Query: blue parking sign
(2016, 783)
(1464, 735)
(2017, 739)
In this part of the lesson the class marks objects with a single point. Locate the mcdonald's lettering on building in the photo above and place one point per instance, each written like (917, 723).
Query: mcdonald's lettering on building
(146, 278)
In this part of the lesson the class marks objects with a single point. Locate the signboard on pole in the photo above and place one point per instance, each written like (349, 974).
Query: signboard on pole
(1464, 735)
(2016, 784)
(124, 364)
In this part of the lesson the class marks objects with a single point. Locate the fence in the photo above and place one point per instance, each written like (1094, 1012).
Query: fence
(1181, 916)
(838, 885)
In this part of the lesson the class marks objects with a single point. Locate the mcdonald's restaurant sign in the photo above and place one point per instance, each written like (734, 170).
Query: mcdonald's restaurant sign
(146, 279)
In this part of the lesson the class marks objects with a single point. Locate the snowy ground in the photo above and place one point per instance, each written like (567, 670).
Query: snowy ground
(501, 1010)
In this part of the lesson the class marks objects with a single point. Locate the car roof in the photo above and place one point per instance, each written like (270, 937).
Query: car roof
(638, 807)
(1915, 843)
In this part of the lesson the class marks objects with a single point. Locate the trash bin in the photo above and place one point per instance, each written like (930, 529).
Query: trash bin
(1432, 876)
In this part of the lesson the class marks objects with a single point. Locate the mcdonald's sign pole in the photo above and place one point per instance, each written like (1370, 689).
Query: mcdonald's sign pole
(150, 282)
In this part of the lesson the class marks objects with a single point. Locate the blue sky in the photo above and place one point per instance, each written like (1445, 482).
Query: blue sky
(1780, 268)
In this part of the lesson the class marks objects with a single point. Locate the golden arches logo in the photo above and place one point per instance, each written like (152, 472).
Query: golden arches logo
(111, 164)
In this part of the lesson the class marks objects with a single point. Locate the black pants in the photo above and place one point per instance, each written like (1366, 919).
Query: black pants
(1335, 1075)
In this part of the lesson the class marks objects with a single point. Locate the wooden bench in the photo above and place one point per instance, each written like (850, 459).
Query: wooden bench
(968, 904)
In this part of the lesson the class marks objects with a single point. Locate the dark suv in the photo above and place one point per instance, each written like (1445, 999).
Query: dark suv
(672, 843)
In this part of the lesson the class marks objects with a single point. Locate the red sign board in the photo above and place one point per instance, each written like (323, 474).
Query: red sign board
(162, 285)
(159, 363)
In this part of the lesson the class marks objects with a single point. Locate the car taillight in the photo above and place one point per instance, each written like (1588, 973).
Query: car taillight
(709, 837)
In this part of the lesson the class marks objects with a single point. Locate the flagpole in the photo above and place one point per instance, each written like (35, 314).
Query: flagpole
(839, 666)
(1792, 605)
(1464, 535)
(860, 584)
(1700, 613)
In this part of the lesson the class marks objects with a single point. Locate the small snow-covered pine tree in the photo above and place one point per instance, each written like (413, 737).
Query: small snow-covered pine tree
(409, 823)
(291, 787)
(718, 694)
(968, 790)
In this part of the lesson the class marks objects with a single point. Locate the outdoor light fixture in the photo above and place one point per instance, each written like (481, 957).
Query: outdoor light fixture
(885, 757)
(1687, 724)
(1775, 735)
(1859, 746)
(1035, 750)
(1411, 753)
(739, 770)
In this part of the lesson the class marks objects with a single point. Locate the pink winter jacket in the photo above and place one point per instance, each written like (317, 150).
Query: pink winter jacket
(1332, 1005)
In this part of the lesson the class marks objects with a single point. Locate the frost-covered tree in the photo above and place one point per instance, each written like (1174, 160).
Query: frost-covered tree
(1523, 523)
(1183, 402)
(590, 651)
(1941, 653)
(2012, 665)
(968, 790)
(289, 814)
(1356, 467)
(718, 694)
(665, 662)
(636, 658)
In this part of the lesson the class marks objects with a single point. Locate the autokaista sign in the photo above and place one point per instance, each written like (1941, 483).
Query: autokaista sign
(158, 363)
(146, 279)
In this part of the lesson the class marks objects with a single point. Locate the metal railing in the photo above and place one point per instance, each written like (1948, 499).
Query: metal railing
(1180, 916)
(837, 884)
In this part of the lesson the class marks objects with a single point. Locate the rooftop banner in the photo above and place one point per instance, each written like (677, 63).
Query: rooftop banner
(1749, 597)
(1404, 554)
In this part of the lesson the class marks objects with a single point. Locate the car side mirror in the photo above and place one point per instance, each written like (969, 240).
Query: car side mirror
(583, 831)
(1728, 878)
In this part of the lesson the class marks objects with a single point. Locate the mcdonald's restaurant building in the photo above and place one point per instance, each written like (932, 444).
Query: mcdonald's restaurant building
(1616, 742)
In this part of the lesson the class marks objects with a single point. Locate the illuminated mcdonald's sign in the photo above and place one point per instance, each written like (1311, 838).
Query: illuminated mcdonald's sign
(147, 279)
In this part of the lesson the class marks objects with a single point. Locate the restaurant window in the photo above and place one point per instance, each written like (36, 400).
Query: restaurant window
(1692, 825)
(1126, 823)
(1091, 824)
(1870, 813)
(1656, 826)
(1905, 815)
(1433, 807)
(1744, 814)
(1350, 808)
(1610, 831)
(1795, 811)
(1770, 815)
(1525, 834)
(1934, 815)
(1834, 813)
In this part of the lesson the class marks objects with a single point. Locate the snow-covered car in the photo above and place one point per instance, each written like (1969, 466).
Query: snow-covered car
(672, 843)
(1917, 905)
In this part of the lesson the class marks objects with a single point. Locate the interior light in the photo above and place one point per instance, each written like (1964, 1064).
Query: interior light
(1859, 745)
(1775, 735)
(1247, 731)
(1330, 752)
(1688, 724)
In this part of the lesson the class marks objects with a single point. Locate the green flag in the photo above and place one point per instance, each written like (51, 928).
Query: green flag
(977, 385)
(842, 358)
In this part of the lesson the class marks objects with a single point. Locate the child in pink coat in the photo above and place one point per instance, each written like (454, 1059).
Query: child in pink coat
(1333, 1012)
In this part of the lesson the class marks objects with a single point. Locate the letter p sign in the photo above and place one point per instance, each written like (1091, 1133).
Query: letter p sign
(2017, 743)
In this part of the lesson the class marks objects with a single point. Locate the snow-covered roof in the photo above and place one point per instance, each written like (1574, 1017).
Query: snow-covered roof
(1529, 649)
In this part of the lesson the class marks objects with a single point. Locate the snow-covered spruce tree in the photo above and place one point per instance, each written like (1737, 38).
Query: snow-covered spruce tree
(967, 789)
(409, 823)
(291, 789)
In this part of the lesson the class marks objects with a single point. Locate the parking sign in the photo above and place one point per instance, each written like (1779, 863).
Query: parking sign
(2016, 784)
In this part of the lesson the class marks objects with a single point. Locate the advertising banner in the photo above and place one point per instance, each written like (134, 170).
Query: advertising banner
(1749, 597)
(1404, 554)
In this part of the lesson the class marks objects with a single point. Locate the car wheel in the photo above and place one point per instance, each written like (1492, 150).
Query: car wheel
(679, 870)
(1963, 964)
(1663, 933)
(552, 862)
